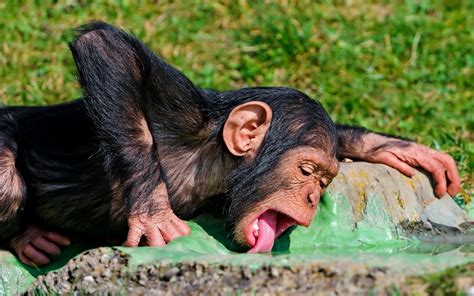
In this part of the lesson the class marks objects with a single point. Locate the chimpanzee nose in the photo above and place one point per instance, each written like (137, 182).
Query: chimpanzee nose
(311, 199)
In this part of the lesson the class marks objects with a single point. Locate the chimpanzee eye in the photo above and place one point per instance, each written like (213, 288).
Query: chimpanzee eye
(323, 183)
(306, 171)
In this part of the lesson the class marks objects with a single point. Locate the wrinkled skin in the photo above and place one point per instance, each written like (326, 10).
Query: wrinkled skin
(151, 229)
(304, 173)
(439, 165)
(156, 229)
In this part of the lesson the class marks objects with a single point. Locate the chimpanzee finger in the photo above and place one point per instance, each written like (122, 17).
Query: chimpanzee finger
(396, 163)
(170, 232)
(452, 173)
(154, 237)
(45, 245)
(133, 237)
(57, 238)
(36, 256)
(183, 227)
(454, 184)
(438, 173)
(25, 260)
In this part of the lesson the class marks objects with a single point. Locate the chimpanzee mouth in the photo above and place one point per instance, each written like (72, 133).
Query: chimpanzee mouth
(263, 231)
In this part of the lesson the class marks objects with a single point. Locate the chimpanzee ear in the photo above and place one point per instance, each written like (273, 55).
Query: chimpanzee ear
(246, 127)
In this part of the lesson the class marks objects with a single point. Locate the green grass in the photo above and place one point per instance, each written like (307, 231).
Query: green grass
(452, 281)
(403, 67)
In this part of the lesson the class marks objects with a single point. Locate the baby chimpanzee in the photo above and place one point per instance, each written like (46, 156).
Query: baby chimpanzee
(145, 148)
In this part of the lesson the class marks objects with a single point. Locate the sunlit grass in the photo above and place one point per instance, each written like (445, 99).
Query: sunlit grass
(403, 67)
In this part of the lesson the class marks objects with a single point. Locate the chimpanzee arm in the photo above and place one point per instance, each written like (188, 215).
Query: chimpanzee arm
(126, 88)
(404, 155)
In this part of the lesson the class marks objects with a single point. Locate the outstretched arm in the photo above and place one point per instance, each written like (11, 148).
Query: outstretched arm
(404, 155)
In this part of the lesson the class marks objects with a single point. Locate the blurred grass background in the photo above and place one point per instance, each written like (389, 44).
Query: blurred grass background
(399, 67)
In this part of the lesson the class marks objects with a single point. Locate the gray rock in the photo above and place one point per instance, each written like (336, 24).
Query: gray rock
(408, 202)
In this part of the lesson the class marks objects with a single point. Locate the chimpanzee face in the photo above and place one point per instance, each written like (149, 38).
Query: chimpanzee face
(289, 196)
(287, 146)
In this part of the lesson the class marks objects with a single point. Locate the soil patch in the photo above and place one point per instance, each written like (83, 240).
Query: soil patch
(106, 271)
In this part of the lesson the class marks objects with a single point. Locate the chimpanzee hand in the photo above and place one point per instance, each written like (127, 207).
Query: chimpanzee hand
(408, 155)
(34, 246)
(158, 229)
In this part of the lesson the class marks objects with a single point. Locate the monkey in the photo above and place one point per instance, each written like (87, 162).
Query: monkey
(145, 149)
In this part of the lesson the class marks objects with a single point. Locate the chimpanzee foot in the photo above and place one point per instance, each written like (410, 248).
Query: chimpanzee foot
(157, 229)
(35, 246)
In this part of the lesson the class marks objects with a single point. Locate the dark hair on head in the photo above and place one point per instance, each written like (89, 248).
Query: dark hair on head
(297, 121)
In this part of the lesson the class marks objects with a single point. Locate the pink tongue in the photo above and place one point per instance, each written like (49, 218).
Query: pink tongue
(267, 223)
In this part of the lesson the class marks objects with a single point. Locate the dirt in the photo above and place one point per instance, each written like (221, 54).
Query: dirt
(102, 271)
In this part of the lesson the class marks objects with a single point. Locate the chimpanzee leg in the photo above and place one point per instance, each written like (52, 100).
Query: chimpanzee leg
(12, 186)
(110, 72)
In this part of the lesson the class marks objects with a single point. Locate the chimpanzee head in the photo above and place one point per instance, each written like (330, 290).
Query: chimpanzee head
(287, 145)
